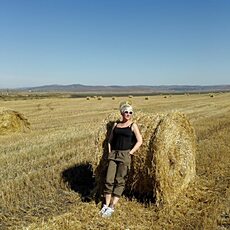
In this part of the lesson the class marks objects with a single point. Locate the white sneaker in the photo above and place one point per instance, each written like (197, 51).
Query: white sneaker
(108, 212)
(104, 208)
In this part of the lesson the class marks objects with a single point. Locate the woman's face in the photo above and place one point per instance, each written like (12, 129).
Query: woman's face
(127, 114)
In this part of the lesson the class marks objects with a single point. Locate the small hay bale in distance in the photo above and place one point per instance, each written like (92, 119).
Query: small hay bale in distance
(165, 163)
(12, 121)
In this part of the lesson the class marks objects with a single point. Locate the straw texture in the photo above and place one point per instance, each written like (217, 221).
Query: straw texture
(165, 163)
(12, 121)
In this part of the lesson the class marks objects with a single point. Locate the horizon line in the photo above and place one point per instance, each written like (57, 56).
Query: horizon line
(115, 85)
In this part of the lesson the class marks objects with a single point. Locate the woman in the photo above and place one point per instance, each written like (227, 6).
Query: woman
(121, 148)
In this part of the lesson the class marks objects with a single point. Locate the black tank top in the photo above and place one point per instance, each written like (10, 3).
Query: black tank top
(122, 138)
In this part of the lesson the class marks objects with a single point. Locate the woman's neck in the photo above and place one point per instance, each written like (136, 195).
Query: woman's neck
(124, 121)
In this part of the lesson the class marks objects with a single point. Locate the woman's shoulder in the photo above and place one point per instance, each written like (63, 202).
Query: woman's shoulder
(134, 123)
(133, 126)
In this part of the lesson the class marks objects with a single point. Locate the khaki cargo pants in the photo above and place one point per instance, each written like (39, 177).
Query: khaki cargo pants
(119, 163)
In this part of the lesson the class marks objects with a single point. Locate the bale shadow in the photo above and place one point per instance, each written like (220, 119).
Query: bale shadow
(80, 178)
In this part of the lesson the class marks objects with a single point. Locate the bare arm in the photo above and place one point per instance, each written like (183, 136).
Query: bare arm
(138, 137)
(111, 138)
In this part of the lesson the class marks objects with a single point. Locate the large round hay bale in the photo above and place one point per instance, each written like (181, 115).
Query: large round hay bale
(12, 121)
(164, 164)
(175, 149)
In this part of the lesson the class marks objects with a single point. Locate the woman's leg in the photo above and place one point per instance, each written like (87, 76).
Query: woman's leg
(108, 199)
(119, 186)
(114, 201)
(109, 183)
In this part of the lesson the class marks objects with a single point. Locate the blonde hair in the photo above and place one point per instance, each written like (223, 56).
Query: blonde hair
(125, 106)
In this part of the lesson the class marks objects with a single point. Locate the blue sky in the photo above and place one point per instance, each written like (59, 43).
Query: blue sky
(114, 42)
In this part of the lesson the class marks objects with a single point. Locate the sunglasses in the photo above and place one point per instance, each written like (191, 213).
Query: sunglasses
(128, 112)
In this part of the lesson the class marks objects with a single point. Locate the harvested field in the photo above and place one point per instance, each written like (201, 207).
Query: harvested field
(38, 185)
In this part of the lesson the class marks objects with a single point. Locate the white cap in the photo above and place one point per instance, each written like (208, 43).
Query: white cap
(126, 107)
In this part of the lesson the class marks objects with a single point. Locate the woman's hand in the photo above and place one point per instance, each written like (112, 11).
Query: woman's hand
(138, 137)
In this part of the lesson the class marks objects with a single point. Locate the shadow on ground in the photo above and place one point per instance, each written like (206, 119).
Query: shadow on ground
(80, 179)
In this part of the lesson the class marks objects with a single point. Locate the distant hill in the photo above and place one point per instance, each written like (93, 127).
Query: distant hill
(135, 89)
(116, 89)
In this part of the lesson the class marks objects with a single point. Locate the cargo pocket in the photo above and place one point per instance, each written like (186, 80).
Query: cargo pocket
(127, 159)
(111, 155)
